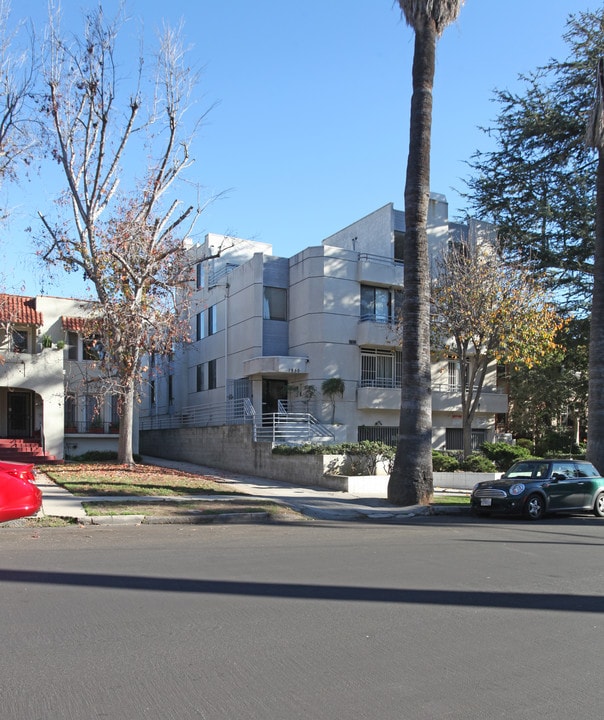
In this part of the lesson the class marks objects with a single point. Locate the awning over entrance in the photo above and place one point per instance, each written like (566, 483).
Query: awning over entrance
(275, 366)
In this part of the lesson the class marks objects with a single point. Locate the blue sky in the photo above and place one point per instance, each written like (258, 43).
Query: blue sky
(310, 119)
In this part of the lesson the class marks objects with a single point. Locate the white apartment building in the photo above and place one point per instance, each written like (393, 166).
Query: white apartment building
(51, 402)
(267, 331)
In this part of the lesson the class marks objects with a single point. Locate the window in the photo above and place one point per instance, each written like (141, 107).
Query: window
(199, 323)
(70, 413)
(115, 410)
(381, 369)
(19, 341)
(152, 392)
(453, 375)
(94, 419)
(211, 374)
(93, 348)
(199, 374)
(200, 276)
(399, 245)
(375, 304)
(275, 303)
(72, 342)
(212, 320)
(171, 389)
(454, 438)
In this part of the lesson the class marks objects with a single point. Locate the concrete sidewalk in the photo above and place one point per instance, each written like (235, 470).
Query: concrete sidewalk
(316, 503)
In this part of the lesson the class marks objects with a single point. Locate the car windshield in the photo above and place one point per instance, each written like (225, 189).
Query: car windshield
(528, 470)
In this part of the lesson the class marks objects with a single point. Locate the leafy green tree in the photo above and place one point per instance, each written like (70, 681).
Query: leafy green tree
(411, 478)
(538, 183)
(487, 311)
(552, 394)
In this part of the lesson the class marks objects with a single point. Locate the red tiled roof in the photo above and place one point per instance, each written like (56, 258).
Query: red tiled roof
(75, 324)
(19, 309)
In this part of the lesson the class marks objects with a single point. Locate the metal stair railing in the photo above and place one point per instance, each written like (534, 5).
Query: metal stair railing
(287, 428)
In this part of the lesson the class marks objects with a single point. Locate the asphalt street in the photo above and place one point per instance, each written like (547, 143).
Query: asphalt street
(437, 617)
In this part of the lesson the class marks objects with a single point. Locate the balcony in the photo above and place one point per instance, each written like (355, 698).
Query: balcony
(378, 398)
(379, 270)
(372, 332)
(446, 398)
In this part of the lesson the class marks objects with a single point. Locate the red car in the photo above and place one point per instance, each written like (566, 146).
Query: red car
(19, 495)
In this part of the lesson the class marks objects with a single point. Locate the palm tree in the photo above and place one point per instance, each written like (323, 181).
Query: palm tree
(595, 402)
(411, 478)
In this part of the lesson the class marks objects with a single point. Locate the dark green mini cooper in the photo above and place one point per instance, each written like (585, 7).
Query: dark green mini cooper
(534, 487)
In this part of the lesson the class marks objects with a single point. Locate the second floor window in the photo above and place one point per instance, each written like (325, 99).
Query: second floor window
(376, 304)
(19, 341)
(275, 303)
(200, 276)
(92, 348)
(199, 326)
(199, 377)
(212, 320)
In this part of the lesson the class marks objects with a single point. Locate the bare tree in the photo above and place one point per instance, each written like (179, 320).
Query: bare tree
(17, 79)
(128, 244)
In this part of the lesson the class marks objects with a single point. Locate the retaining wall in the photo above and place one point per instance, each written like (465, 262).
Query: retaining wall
(230, 447)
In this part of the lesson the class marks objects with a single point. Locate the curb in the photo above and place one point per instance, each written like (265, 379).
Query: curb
(192, 519)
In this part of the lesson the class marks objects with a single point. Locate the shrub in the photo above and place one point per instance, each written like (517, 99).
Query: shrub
(362, 457)
(478, 463)
(444, 462)
(503, 454)
(558, 443)
(526, 443)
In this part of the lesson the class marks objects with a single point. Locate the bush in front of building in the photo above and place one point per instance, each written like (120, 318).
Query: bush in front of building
(444, 461)
(504, 455)
(477, 462)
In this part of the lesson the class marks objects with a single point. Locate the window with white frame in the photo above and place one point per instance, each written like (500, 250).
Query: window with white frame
(381, 368)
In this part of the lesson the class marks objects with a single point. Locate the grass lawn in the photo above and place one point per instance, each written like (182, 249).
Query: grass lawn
(111, 480)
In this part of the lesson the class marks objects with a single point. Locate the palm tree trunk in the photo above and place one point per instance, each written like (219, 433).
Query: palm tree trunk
(595, 411)
(411, 478)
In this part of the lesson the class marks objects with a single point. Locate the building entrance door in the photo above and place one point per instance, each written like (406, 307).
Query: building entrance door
(19, 414)
(272, 392)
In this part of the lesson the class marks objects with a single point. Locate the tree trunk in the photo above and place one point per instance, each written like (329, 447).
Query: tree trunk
(124, 448)
(595, 406)
(411, 479)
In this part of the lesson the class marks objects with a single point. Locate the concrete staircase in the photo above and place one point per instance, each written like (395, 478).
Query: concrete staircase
(24, 450)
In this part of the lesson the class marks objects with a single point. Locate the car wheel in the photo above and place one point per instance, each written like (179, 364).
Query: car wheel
(599, 505)
(534, 507)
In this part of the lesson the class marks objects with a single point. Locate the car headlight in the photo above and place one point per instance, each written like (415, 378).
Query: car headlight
(517, 489)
